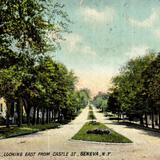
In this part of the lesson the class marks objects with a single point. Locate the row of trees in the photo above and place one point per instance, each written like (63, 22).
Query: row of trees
(28, 75)
(100, 101)
(136, 90)
(46, 89)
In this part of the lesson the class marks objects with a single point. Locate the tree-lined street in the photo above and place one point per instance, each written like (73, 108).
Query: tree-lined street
(82, 101)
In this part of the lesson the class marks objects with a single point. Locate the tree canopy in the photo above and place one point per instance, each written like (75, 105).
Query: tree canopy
(42, 89)
(136, 89)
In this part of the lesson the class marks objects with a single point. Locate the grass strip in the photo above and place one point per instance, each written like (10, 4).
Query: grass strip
(113, 137)
(90, 108)
(24, 130)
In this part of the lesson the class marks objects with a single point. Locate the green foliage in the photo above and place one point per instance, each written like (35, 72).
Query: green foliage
(136, 88)
(113, 103)
(24, 130)
(100, 101)
(28, 75)
(130, 83)
(34, 25)
(84, 97)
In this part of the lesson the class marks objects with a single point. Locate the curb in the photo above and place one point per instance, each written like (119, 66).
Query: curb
(100, 143)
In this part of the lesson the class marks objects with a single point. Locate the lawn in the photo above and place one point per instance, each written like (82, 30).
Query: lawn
(18, 131)
(91, 115)
(113, 137)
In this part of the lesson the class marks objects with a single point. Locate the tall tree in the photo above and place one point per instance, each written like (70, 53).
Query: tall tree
(28, 30)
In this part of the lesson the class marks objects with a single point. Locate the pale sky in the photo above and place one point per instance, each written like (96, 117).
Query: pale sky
(105, 34)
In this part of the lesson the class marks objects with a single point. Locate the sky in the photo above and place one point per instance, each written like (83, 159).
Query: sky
(105, 35)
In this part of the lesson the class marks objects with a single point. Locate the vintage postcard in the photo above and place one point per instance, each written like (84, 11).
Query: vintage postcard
(79, 79)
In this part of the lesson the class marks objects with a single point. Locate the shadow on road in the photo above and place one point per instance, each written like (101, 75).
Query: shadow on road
(147, 131)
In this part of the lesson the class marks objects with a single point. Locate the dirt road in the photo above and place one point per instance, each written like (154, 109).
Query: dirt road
(146, 145)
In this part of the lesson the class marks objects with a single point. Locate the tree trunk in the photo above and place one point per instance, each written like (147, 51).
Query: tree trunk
(34, 116)
(43, 112)
(141, 120)
(159, 119)
(37, 115)
(47, 117)
(118, 115)
(20, 111)
(55, 113)
(152, 116)
(59, 116)
(52, 118)
(8, 114)
(27, 109)
(123, 117)
(28, 116)
(146, 120)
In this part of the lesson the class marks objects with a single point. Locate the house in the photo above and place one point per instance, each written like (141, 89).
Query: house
(3, 108)
(13, 111)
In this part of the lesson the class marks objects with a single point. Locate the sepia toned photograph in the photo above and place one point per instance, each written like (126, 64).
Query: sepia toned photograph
(79, 79)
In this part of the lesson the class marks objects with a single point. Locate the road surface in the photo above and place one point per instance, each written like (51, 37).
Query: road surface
(38, 146)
